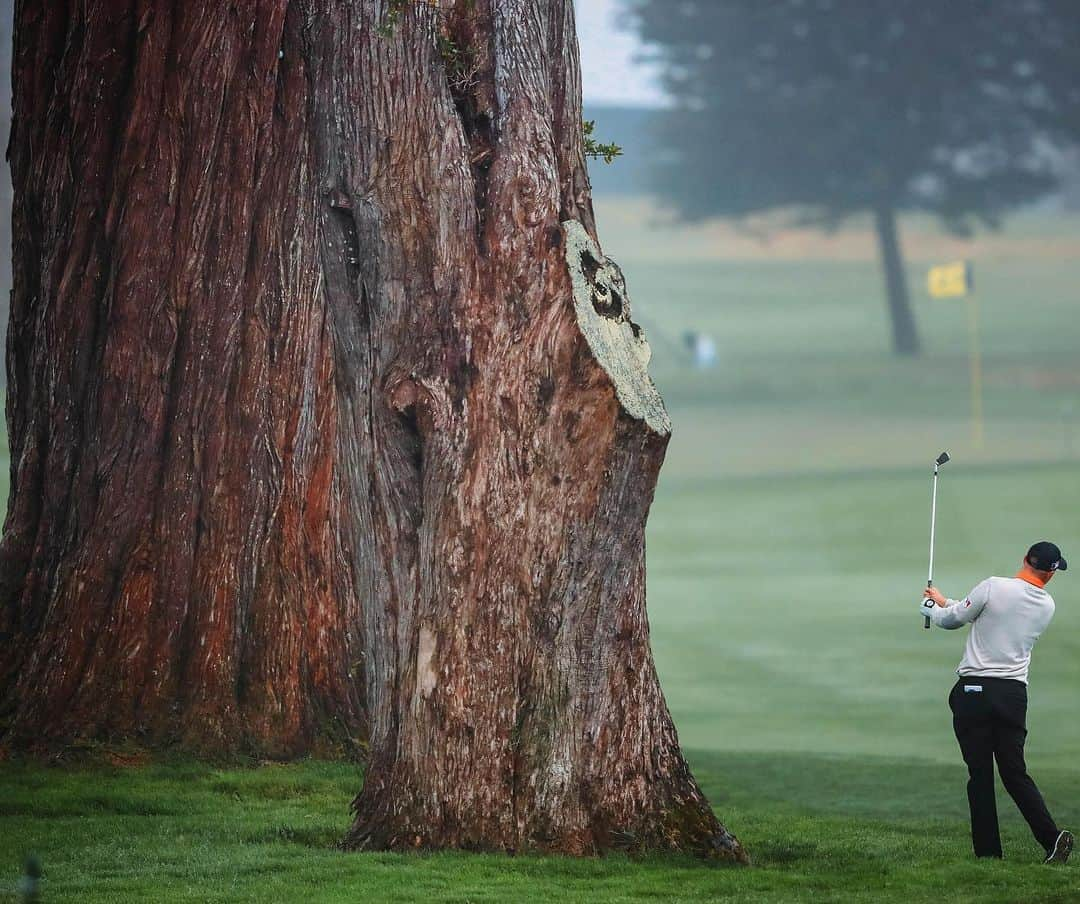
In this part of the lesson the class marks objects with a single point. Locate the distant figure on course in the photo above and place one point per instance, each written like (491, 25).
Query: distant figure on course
(989, 701)
(702, 348)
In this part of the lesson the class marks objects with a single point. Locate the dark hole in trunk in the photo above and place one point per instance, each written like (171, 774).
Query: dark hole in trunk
(412, 442)
(350, 242)
(607, 302)
(590, 266)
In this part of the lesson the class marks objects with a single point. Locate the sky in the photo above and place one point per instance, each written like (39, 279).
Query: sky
(608, 71)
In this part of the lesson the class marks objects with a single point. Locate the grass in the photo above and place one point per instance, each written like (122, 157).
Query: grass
(822, 828)
(792, 596)
(786, 553)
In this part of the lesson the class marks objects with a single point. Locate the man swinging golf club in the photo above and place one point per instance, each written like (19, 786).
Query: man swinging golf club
(989, 701)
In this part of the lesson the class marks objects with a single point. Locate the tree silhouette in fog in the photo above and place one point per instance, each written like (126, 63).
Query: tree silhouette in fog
(834, 107)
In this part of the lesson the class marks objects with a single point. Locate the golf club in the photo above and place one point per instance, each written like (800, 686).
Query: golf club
(939, 461)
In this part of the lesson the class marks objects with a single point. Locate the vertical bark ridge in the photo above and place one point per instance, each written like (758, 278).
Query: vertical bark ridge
(49, 305)
(468, 56)
(193, 596)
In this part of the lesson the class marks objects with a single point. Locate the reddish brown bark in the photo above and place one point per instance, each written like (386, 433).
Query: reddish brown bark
(171, 564)
(315, 362)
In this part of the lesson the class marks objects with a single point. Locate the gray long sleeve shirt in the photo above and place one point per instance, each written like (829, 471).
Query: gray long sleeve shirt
(1006, 615)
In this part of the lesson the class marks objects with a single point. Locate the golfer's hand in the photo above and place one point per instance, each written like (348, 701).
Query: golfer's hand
(936, 595)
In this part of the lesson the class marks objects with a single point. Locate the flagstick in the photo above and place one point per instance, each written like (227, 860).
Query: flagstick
(975, 355)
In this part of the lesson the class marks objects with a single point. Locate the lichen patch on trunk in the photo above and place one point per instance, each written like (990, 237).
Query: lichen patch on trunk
(603, 312)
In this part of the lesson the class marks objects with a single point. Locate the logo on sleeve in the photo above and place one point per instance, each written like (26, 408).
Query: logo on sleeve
(967, 603)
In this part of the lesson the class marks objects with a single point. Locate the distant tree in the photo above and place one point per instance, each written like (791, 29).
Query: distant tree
(835, 107)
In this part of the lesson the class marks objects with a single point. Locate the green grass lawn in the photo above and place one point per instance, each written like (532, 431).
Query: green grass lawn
(786, 551)
(821, 828)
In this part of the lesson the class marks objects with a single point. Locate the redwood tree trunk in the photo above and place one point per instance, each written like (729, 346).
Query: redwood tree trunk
(172, 567)
(905, 336)
(316, 366)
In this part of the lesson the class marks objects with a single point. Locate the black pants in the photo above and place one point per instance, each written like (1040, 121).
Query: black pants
(991, 724)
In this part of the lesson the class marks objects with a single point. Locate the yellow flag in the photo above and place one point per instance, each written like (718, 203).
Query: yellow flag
(953, 280)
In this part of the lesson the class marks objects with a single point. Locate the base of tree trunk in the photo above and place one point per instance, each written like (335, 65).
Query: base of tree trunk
(905, 334)
(685, 826)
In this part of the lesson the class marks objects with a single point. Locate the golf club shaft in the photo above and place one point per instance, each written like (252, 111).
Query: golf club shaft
(933, 525)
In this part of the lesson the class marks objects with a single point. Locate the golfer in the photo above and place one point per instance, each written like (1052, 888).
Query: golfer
(989, 701)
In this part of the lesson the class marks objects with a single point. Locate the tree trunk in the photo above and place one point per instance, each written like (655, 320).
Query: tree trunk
(172, 567)
(315, 359)
(905, 336)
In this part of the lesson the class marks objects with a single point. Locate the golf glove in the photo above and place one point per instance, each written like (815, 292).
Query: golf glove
(927, 607)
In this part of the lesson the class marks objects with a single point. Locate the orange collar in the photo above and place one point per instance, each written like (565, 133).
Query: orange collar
(1028, 574)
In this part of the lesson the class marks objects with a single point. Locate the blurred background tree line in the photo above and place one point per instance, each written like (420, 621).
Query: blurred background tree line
(828, 108)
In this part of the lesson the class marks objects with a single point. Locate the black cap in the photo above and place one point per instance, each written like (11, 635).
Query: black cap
(1045, 556)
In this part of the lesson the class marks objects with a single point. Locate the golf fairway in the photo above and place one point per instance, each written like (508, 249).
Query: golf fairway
(786, 552)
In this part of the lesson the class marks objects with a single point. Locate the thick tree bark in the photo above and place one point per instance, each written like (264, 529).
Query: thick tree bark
(905, 336)
(171, 563)
(315, 360)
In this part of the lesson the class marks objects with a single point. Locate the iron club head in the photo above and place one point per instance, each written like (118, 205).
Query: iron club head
(942, 458)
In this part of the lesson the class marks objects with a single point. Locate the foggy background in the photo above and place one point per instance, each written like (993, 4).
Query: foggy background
(787, 544)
